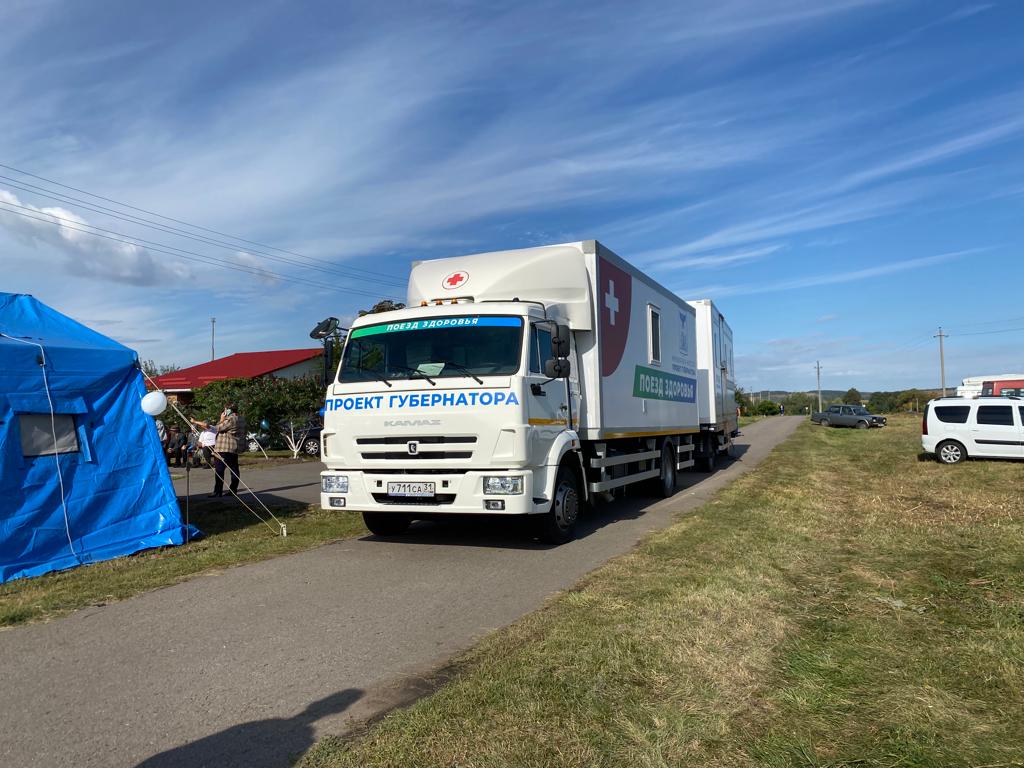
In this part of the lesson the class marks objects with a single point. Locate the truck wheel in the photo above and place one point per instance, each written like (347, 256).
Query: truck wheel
(707, 463)
(558, 525)
(386, 523)
(665, 485)
(862, 425)
(824, 423)
(950, 452)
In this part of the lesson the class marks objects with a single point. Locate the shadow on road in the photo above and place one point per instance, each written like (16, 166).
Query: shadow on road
(260, 744)
(516, 532)
(220, 515)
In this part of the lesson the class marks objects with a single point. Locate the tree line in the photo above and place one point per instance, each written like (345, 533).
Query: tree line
(906, 400)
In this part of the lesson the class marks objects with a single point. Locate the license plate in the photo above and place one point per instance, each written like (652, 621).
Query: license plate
(411, 489)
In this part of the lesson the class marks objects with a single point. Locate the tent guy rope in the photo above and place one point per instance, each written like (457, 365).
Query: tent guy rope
(283, 529)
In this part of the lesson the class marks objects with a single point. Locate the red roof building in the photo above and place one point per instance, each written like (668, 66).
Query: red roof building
(282, 363)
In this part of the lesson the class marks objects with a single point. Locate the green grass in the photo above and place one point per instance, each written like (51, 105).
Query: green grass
(233, 537)
(846, 604)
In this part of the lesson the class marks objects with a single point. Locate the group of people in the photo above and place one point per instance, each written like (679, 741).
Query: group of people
(181, 449)
(216, 445)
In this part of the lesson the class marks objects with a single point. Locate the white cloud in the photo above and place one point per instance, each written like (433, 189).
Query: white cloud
(940, 151)
(834, 278)
(84, 254)
(667, 258)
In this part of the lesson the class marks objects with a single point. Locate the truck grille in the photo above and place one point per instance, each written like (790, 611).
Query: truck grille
(419, 456)
(439, 499)
(427, 447)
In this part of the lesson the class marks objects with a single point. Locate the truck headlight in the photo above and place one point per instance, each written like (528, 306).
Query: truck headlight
(505, 486)
(334, 483)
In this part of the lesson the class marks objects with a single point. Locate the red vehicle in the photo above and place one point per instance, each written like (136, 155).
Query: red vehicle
(1003, 388)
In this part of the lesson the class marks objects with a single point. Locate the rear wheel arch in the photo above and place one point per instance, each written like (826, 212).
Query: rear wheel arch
(572, 456)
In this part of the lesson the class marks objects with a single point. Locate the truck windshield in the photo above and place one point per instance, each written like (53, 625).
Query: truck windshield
(434, 348)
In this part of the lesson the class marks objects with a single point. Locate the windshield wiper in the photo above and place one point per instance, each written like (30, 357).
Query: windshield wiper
(416, 371)
(462, 368)
(378, 376)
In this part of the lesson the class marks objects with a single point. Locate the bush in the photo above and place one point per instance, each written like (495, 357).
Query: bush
(275, 400)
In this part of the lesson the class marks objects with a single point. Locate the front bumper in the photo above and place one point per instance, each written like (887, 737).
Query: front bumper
(456, 493)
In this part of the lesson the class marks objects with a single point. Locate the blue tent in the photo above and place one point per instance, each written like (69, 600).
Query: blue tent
(82, 473)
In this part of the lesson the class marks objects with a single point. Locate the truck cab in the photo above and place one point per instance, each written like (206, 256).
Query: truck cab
(448, 408)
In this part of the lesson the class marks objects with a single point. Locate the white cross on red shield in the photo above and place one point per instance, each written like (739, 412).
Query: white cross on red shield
(614, 300)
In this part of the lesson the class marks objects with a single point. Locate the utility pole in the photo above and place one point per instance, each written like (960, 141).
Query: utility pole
(213, 334)
(942, 359)
(817, 366)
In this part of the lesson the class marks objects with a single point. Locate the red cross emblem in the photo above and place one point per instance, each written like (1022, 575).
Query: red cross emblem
(454, 280)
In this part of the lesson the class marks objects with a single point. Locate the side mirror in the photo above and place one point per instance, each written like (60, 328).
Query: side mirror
(560, 341)
(557, 368)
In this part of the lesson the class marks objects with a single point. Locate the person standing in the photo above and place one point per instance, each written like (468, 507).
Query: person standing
(230, 433)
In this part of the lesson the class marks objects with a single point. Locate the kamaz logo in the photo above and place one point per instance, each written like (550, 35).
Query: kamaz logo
(412, 422)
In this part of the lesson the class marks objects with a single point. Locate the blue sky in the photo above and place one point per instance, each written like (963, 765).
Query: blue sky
(841, 177)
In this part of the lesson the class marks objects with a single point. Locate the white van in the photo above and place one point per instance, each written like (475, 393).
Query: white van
(957, 428)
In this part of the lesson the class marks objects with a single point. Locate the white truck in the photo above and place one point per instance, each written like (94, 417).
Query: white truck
(716, 384)
(973, 385)
(525, 382)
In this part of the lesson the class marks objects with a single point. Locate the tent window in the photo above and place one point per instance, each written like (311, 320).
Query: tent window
(37, 434)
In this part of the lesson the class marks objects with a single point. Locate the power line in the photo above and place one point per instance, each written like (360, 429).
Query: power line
(989, 322)
(912, 345)
(171, 250)
(989, 333)
(185, 223)
(158, 248)
(103, 210)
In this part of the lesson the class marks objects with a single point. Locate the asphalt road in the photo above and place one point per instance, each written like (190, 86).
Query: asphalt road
(248, 666)
(283, 483)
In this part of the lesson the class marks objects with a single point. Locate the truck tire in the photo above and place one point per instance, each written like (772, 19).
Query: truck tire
(707, 463)
(862, 425)
(824, 422)
(950, 452)
(664, 486)
(386, 523)
(558, 524)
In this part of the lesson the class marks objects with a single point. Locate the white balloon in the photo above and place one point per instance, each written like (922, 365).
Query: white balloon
(154, 403)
